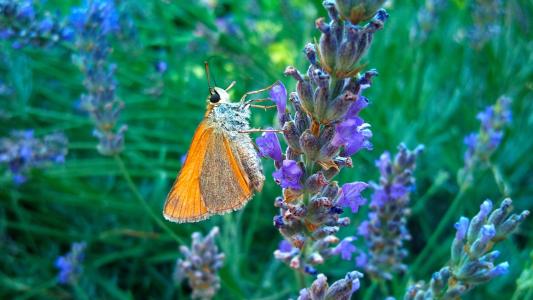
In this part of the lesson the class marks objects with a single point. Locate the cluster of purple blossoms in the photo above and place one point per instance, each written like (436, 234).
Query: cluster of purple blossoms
(486, 15)
(22, 151)
(200, 265)
(385, 231)
(472, 260)
(23, 24)
(481, 145)
(341, 289)
(94, 24)
(70, 266)
(427, 19)
(322, 133)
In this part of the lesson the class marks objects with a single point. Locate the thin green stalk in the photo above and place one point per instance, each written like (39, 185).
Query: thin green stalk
(143, 203)
(300, 278)
(498, 178)
(370, 291)
(383, 288)
(443, 224)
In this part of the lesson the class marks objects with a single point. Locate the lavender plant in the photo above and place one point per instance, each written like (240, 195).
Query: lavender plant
(322, 133)
(386, 230)
(94, 24)
(22, 151)
(70, 265)
(22, 23)
(200, 265)
(480, 147)
(472, 260)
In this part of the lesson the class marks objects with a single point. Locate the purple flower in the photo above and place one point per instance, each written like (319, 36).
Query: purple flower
(487, 233)
(353, 134)
(269, 145)
(461, 227)
(22, 152)
(364, 229)
(289, 175)
(481, 145)
(361, 260)
(470, 140)
(70, 265)
(351, 195)
(345, 248)
(398, 190)
(278, 93)
(200, 265)
(94, 24)
(285, 246)
(161, 67)
(356, 107)
(499, 270)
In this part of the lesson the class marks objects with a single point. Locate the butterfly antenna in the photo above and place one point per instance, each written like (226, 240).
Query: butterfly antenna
(208, 76)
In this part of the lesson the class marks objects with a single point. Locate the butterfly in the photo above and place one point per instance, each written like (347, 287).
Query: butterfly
(222, 169)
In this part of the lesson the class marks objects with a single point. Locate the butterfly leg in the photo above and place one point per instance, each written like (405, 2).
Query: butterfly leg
(257, 92)
(265, 107)
(260, 130)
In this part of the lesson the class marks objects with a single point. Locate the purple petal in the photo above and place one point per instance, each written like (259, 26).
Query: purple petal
(278, 93)
(269, 146)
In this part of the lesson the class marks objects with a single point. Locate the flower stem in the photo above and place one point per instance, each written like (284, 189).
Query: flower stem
(140, 199)
(300, 278)
(450, 214)
(498, 178)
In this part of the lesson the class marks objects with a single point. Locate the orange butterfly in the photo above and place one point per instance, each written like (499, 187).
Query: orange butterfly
(222, 168)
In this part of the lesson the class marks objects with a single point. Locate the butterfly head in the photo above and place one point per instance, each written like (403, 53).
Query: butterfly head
(218, 95)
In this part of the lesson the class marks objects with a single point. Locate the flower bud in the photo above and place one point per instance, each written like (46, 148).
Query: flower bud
(338, 108)
(309, 145)
(319, 287)
(292, 137)
(303, 88)
(328, 45)
(357, 11)
(315, 183)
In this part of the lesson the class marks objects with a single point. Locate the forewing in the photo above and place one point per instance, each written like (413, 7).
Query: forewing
(184, 201)
(223, 182)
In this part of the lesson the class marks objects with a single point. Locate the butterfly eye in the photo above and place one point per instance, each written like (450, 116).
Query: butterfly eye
(214, 97)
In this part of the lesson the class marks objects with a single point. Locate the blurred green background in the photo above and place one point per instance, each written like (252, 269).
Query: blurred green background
(429, 91)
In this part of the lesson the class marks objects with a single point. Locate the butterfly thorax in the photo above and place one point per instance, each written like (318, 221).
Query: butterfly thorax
(232, 117)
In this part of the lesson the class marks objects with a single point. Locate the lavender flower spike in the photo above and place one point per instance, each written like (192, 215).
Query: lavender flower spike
(472, 258)
(94, 24)
(386, 229)
(322, 132)
(70, 266)
(482, 144)
(22, 152)
(340, 290)
(200, 265)
(23, 24)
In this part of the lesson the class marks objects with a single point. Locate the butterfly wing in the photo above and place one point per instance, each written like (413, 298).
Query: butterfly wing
(184, 201)
(224, 182)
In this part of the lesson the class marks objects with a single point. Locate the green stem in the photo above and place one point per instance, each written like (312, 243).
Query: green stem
(498, 178)
(370, 292)
(383, 288)
(142, 202)
(300, 278)
(444, 223)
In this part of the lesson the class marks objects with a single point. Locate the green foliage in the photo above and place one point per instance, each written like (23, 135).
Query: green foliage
(428, 92)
